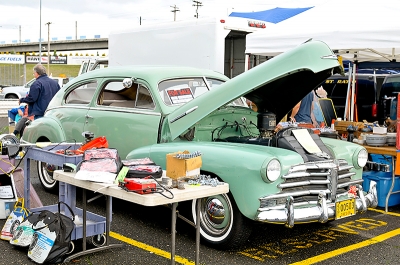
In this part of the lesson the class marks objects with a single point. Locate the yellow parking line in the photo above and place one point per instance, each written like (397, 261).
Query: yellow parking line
(149, 248)
(381, 211)
(340, 251)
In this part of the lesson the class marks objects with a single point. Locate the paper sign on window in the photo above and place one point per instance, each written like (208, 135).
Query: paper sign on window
(179, 96)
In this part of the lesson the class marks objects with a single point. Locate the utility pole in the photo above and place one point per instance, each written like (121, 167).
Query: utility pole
(76, 30)
(197, 4)
(175, 10)
(19, 33)
(40, 33)
(48, 47)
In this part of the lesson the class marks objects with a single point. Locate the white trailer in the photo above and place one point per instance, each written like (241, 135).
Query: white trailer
(217, 44)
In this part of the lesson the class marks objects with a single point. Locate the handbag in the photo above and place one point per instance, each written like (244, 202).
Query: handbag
(52, 237)
(15, 218)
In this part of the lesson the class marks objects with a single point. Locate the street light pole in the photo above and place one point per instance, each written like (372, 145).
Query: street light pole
(40, 33)
(48, 47)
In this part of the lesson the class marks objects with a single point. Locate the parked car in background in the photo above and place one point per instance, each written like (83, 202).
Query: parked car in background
(336, 88)
(150, 111)
(16, 92)
(389, 91)
(90, 65)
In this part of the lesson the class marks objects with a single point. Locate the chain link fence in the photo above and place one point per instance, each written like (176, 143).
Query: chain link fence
(12, 74)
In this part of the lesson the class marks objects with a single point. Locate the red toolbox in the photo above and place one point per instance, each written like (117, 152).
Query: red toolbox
(141, 186)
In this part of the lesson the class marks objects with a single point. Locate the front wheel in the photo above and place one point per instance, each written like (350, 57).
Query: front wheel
(222, 225)
(45, 173)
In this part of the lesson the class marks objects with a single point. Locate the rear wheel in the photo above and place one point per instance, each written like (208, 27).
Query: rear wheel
(221, 223)
(45, 173)
(12, 97)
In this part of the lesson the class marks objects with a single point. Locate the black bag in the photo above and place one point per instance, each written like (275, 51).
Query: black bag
(143, 171)
(52, 228)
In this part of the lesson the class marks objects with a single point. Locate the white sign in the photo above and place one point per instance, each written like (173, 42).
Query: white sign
(12, 59)
(6, 192)
(35, 59)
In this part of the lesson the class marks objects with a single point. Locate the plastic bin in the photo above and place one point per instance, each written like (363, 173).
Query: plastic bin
(383, 182)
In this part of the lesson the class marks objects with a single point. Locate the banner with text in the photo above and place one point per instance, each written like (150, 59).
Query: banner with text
(35, 59)
(12, 59)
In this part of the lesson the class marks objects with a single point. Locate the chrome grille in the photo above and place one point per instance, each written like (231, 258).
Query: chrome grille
(305, 181)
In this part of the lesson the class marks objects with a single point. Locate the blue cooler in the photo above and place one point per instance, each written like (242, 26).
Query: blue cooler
(383, 182)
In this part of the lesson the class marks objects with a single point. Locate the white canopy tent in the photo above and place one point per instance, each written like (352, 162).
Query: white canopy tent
(370, 30)
(359, 31)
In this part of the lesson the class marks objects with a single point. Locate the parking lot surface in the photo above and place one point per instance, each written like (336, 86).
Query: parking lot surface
(371, 238)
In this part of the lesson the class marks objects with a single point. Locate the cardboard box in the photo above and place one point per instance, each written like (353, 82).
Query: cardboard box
(177, 168)
(379, 130)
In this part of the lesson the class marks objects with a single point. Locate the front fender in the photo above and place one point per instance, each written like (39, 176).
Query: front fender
(240, 165)
(345, 150)
(44, 127)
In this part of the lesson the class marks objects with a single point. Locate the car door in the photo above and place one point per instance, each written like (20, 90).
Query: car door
(127, 117)
(73, 114)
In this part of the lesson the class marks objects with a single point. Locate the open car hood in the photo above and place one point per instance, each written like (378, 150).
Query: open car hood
(276, 85)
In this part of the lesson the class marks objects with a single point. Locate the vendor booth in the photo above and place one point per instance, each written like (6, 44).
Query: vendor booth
(358, 31)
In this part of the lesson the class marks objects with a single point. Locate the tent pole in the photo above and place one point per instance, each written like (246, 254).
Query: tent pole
(346, 107)
(353, 90)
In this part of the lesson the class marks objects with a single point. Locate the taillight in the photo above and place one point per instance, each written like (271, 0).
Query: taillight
(374, 110)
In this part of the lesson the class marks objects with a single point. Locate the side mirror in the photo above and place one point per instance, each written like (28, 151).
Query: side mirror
(127, 82)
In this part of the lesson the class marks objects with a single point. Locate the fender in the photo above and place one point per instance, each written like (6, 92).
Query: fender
(238, 164)
(44, 127)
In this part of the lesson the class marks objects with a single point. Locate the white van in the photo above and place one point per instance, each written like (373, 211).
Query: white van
(90, 65)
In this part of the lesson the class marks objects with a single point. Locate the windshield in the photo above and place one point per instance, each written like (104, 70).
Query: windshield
(182, 90)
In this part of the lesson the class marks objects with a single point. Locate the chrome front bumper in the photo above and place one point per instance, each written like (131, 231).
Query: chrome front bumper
(321, 212)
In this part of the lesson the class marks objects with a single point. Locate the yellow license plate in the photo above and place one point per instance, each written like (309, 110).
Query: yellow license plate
(345, 208)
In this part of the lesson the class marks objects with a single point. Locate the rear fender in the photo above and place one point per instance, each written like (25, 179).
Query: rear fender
(44, 128)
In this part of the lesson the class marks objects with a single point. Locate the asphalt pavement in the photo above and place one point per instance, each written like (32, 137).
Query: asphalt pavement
(145, 233)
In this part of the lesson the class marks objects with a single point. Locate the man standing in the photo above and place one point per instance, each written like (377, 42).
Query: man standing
(41, 92)
(302, 111)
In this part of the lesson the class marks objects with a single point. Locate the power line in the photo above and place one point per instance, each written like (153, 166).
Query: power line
(175, 9)
(197, 4)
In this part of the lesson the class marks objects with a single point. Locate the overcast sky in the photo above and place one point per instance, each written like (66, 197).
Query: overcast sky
(99, 17)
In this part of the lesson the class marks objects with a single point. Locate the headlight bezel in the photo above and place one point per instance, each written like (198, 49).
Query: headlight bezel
(272, 171)
(360, 158)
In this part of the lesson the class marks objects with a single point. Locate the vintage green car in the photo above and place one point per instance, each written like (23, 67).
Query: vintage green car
(286, 177)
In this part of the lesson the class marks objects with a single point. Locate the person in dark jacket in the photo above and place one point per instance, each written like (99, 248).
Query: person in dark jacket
(40, 93)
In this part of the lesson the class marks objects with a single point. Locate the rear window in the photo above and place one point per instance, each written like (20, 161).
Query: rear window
(390, 87)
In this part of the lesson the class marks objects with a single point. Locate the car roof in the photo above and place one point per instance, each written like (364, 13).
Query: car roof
(150, 72)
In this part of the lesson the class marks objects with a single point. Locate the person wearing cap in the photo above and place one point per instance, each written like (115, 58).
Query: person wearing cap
(40, 93)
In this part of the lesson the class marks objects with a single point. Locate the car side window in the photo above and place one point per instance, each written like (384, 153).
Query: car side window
(143, 99)
(114, 94)
(82, 94)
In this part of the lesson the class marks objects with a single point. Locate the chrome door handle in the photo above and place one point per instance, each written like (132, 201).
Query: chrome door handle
(88, 117)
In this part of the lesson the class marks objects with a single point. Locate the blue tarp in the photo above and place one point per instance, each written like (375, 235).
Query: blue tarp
(274, 15)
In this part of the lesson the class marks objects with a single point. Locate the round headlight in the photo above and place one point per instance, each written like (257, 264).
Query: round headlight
(362, 158)
(273, 170)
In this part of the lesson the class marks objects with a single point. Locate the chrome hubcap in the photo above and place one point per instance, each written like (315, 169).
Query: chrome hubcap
(215, 211)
